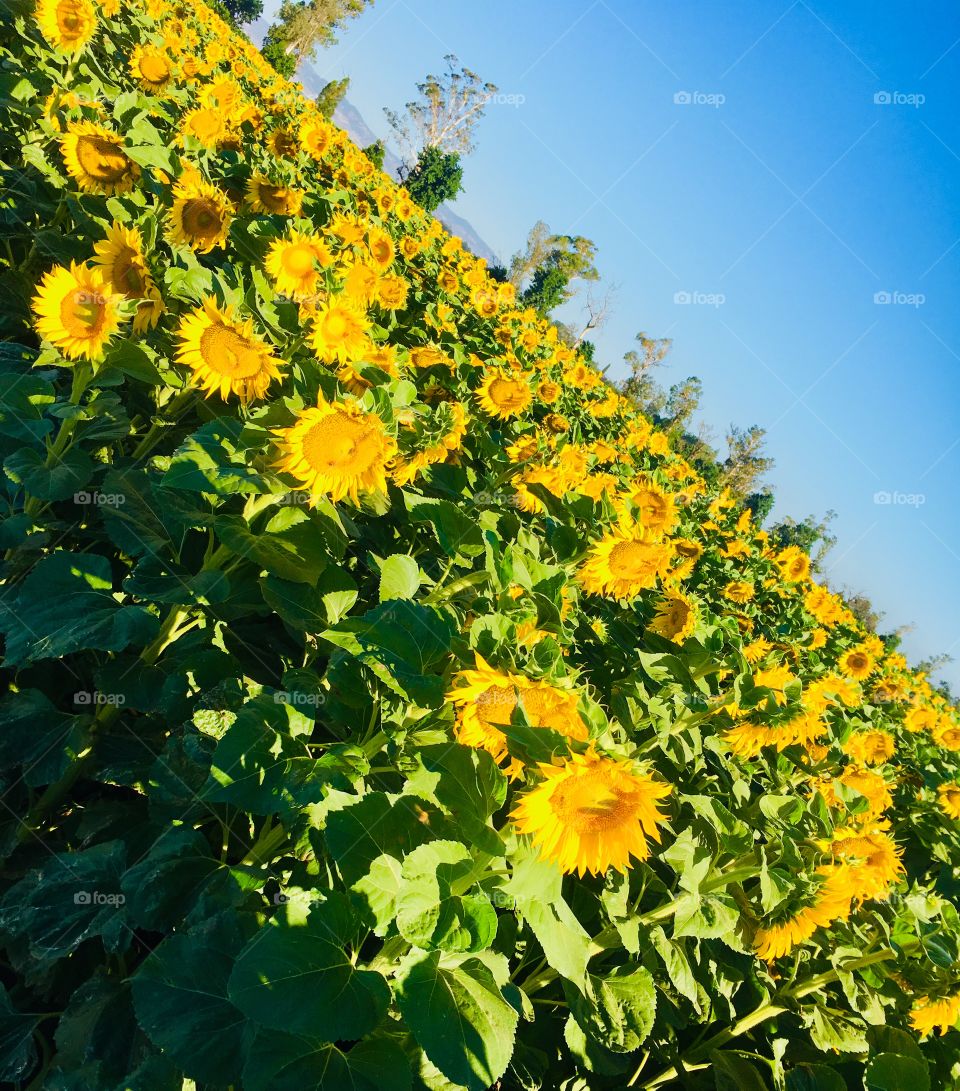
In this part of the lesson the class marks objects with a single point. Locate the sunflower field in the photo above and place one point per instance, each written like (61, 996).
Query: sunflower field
(387, 704)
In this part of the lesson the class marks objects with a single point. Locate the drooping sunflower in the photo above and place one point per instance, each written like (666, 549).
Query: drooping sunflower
(831, 903)
(948, 797)
(793, 563)
(676, 617)
(120, 256)
(273, 198)
(748, 739)
(592, 813)
(67, 24)
(200, 216)
(654, 507)
(339, 332)
(95, 159)
(293, 263)
(857, 663)
(873, 857)
(931, 1013)
(870, 747)
(77, 310)
(504, 394)
(225, 354)
(624, 562)
(151, 67)
(739, 591)
(336, 449)
(776, 679)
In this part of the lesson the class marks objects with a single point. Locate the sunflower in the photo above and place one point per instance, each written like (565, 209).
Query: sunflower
(873, 857)
(739, 591)
(793, 563)
(857, 662)
(271, 198)
(315, 138)
(831, 903)
(67, 24)
(676, 617)
(95, 159)
(504, 394)
(948, 797)
(337, 450)
(205, 124)
(870, 747)
(775, 679)
(409, 467)
(920, 718)
(282, 144)
(756, 650)
(392, 292)
(120, 256)
(360, 282)
(688, 552)
(624, 562)
(748, 739)
(339, 332)
(928, 1014)
(151, 67)
(592, 813)
(225, 354)
(77, 310)
(200, 216)
(655, 509)
(548, 392)
(381, 247)
(292, 263)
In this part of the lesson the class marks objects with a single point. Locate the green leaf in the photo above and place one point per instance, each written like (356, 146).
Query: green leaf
(294, 976)
(161, 888)
(18, 1053)
(429, 913)
(458, 533)
(399, 577)
(372, 826)
(294, 552)
(894, 1072)
(39, 737)
(180, 997)
(732, 1072)
(131, 359)
(815, 1077)
(565, 942)
(66, 477)
(378, 890)
(710, 916)
(215, 460)
(459, 1018)
(618, 1010)
(286, 1062)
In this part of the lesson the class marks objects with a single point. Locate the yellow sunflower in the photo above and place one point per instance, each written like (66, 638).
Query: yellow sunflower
(200, 216)
(292, 263)
(67, 24)
(738, 591)
(337, 450)
(793, 563)
(873, 858)
(225, 354)
(688, 552)
(624, 562)
(151, 67)
(857, 663)
(381, 247)
(272, 198)
(77, 310)
(392, 292)
(655, 509)
(339, 332)
(676, 617)
(929, 1014)
(504, 394)
(831, 903)
(870, 747)
(948, 796)
(120, 256)
(206, 124)
(95, 159)
(592, 813)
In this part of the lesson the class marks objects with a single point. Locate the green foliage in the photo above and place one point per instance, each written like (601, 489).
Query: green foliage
(330, 97)
(436, 177)
(275, 53)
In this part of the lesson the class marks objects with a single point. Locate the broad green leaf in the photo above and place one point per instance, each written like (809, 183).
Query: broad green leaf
(287, 1062)
(617, 1010)
(294, 976)
(458, 533)
(399, 577)
(66, 477)
(66, 605)
(815, 1077)
(378, 890)
(460, 1019)
(18, 1051)
(894, 1072)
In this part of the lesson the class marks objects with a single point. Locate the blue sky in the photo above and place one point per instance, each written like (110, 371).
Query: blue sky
(811, 169)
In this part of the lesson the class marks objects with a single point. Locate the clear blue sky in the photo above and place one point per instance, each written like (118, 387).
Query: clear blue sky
(796, 197)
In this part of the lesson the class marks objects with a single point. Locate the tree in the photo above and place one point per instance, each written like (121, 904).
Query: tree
(241, 11)
(544, 271)
(375, 153)
(760, 504)
(331, 96)
(640, 385)
(435, 178)
(303, 26)
(444, 116)
(275, 54)
(745, 463)
(812, 535)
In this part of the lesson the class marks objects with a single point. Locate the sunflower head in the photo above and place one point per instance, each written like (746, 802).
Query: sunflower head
(151, 67)
(77, 310)
(200, 216)
(96, 160)
(294, 264)
(624, 562)
(67, 24)
(504, 394)
(225, 354)
(592, 813)
(273, 198)
(337, 450)
(676, 617)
